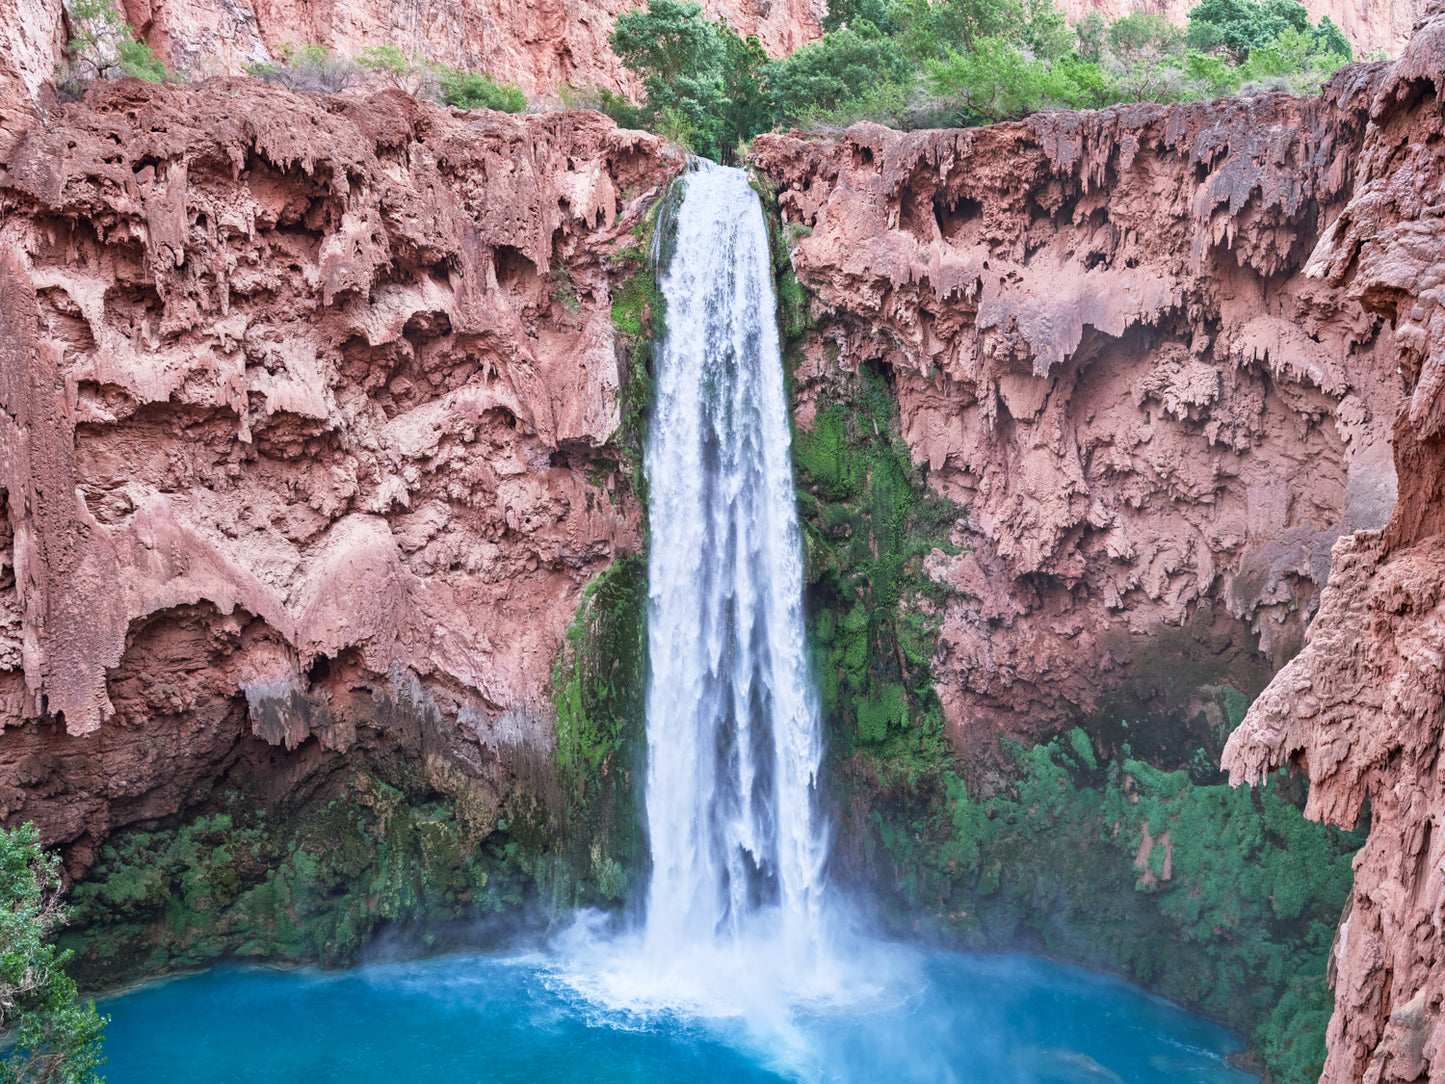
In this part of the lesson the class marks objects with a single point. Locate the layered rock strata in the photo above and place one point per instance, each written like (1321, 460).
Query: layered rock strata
(1361, 710)
(542, 46)
(304, 419)
(1105, 348)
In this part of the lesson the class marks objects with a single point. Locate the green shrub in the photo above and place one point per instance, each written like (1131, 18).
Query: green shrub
(393, 64)
(103, 46)
(53, 1037)
(474, 90)
(315, 69)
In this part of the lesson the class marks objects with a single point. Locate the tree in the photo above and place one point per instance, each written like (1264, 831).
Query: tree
(666, 42)
(843, 65)
(1241, 25)
(103, 46)
(703, 83)
(56, 1040)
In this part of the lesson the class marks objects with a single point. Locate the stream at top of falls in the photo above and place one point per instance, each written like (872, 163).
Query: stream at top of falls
(745, 967)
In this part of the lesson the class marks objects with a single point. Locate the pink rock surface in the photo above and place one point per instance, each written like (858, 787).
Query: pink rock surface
(300, 386)
(1361, 709)
(1106, 351)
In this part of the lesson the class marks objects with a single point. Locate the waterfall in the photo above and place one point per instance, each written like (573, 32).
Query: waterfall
(733, 736)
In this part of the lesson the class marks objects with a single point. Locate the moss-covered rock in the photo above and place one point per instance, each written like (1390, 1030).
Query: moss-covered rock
(314, 882)
(1118, 844)
(600, 683)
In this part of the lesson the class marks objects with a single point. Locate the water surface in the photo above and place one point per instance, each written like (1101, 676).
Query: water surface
(937, 1018)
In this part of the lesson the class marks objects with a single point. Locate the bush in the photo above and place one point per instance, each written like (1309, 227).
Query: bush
(319, 70)
(102, 46)
(316, 69)
(54, 1039)
(396, 67)
(474, 90)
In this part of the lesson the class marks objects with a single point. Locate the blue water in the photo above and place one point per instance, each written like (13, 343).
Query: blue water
(995, 1019)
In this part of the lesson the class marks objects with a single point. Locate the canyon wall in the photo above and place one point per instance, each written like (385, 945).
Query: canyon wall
(1361, 710)
(1105, 348)
(541, 45)
(305, 437)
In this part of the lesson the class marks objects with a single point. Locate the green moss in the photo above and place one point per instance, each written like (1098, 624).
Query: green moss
(315, 883)
(600, 686)
(868, 522)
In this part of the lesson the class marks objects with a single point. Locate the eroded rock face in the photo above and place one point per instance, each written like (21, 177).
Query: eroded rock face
(542, 45)
(1105, 349)
(1362, 708)
(304, 412)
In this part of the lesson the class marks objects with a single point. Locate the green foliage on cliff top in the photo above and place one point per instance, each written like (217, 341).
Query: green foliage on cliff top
(53, 1038)
(923, 63)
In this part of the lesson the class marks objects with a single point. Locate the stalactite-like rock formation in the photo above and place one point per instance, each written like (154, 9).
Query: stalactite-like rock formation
(1362, 708)
(302, 412)
(1105, 347)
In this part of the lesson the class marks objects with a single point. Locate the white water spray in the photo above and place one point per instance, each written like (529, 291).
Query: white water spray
(735, 930)
(733, 737)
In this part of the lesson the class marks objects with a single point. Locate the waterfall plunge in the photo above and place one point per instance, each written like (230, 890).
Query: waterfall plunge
(733, 738)
(735, 924)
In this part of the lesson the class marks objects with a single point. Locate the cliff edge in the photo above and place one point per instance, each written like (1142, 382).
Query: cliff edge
(1361, 709)
(304, 418)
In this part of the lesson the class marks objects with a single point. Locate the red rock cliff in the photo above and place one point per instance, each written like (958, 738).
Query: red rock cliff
(1362, 708)
(301, 402)
(540, 44)
(1105, 348)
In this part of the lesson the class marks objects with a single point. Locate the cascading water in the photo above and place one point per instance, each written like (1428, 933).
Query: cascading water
(731, 978)
(733, 741)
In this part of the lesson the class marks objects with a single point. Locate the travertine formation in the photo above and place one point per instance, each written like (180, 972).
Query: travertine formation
(1105, 349)
(542, 45)
(300, 407)
(1362, 708)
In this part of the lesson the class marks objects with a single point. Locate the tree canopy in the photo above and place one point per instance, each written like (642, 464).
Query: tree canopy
(54, 1039)
(917, 63)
